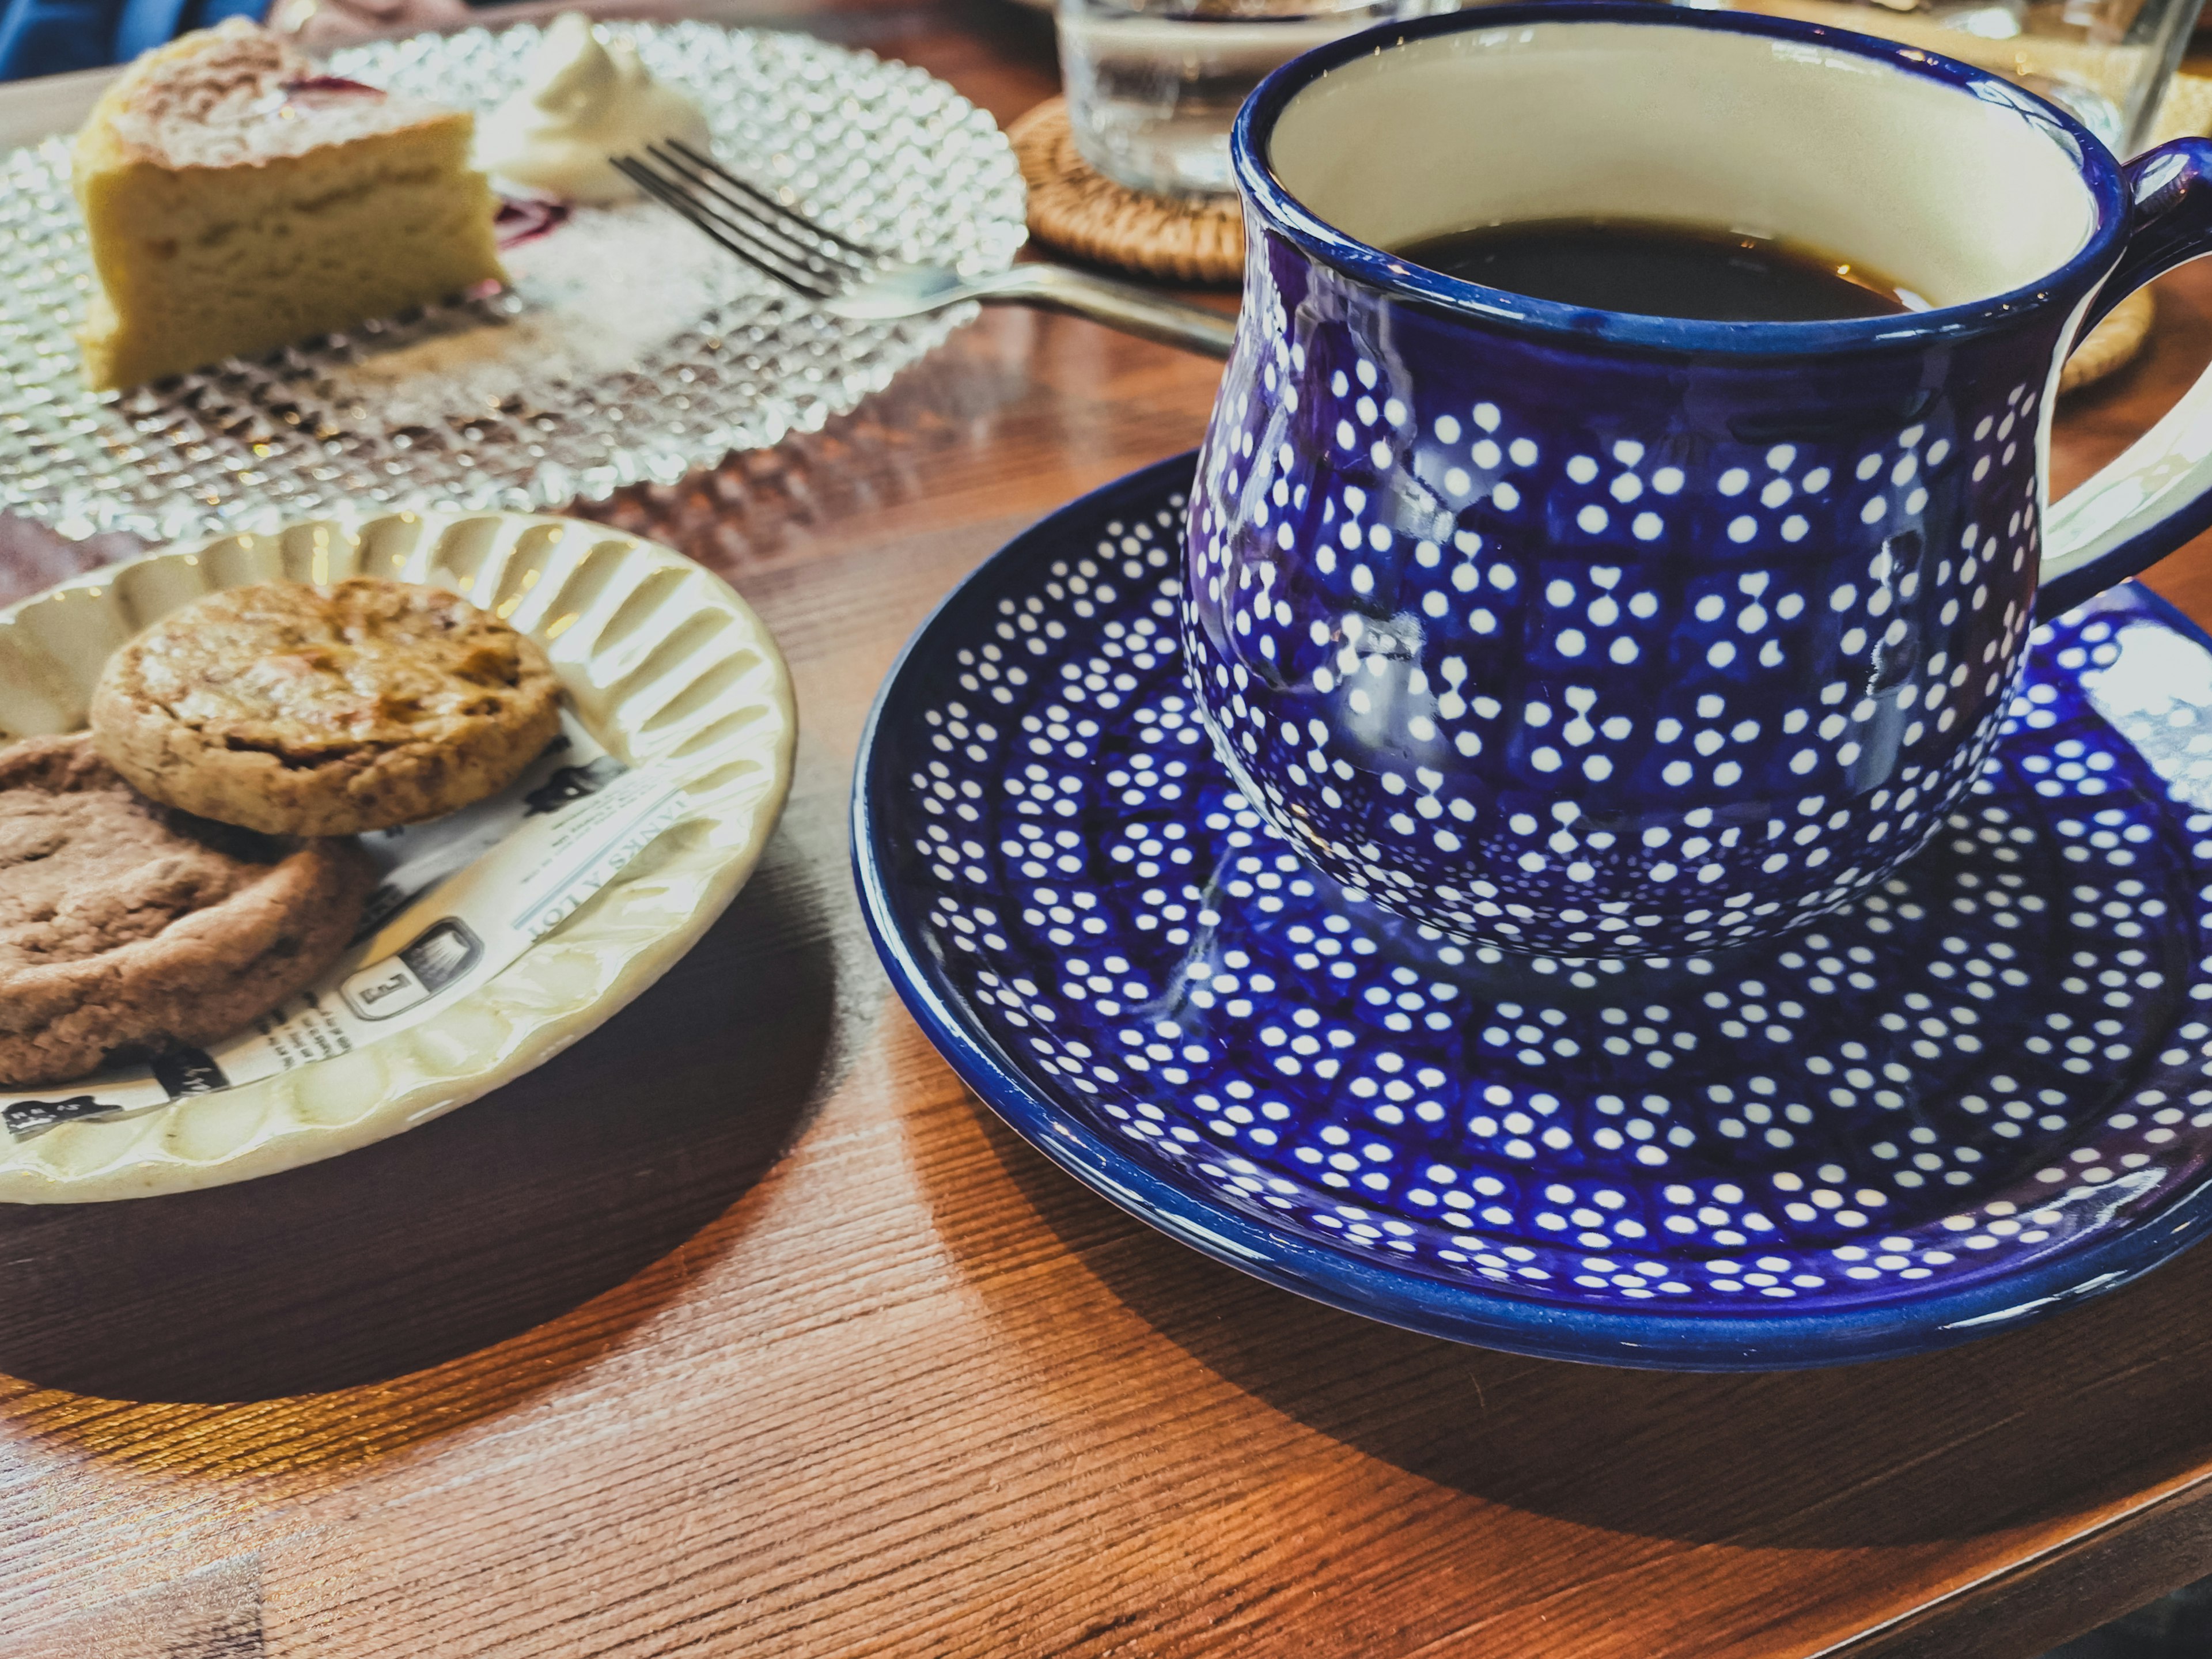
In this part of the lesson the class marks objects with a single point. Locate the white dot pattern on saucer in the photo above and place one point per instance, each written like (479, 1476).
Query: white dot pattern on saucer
(2002, 1050)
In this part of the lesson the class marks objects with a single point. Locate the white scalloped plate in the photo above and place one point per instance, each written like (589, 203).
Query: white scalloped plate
(659, 659)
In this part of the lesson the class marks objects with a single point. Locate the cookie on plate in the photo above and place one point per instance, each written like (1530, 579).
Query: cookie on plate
(126, 928)
(325, 711)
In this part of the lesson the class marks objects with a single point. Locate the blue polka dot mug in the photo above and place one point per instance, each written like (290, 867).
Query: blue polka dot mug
(1596, 633)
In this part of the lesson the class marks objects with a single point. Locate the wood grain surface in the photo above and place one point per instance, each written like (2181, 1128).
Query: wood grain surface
(741, 1329)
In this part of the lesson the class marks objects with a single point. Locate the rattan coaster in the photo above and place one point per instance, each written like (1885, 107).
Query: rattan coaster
(1079, 211)
(2111, 344)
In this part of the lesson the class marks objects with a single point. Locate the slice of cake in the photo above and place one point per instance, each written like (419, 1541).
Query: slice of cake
(237, 201)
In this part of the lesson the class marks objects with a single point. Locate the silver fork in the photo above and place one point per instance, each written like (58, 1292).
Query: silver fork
(847, 279)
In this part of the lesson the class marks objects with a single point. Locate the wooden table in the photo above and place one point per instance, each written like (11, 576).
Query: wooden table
(740, 1329)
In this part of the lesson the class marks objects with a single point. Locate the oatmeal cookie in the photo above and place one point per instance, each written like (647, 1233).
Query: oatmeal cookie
(127, 928)
(325, 711)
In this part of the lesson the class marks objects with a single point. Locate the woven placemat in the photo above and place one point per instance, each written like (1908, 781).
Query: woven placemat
(2187, 111)
(1077, 210)
(2111, 343)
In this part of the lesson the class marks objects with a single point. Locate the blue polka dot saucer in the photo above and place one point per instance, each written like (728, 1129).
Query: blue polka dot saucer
(1979, 1094)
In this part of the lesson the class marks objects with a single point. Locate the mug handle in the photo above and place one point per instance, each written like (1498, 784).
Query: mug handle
(2158, 495)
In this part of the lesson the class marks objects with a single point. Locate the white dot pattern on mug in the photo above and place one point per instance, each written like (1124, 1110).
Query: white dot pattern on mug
(2002, 1048)
(1552, 690)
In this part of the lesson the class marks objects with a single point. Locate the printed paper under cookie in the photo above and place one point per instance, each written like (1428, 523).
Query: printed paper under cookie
(460, 898)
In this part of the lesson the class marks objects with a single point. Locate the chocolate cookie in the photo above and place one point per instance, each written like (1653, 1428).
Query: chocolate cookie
(325, 711)
(126, 927)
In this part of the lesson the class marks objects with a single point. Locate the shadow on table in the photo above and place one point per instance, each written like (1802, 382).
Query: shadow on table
(2047, 1421)
(463, 1233)
(2176, 1626)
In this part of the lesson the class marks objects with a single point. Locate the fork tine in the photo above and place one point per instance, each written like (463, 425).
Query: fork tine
(868, 256)
(732, 235)
(829, 264)
(672, 194)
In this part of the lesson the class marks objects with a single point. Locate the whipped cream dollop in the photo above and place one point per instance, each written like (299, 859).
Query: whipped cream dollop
(586, 99)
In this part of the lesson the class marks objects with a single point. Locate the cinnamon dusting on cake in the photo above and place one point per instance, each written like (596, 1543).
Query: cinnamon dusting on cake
(237, 93)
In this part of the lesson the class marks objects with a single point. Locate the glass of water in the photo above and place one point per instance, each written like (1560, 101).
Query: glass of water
(1152, 85)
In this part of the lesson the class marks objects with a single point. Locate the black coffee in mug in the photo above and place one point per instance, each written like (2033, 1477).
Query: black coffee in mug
(1660, 268)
